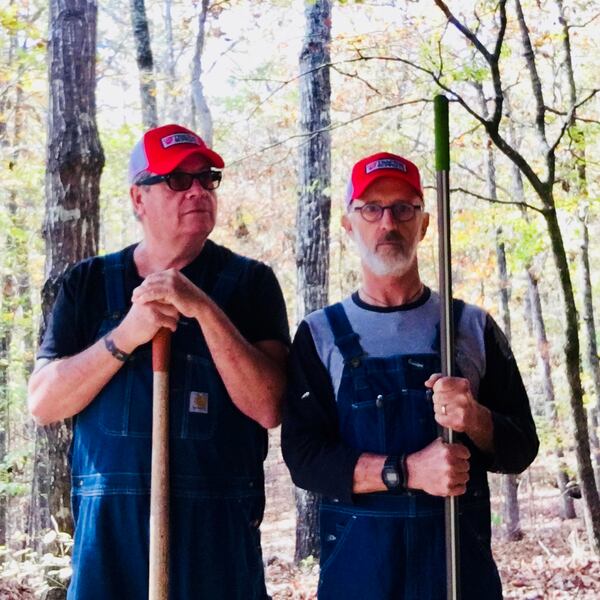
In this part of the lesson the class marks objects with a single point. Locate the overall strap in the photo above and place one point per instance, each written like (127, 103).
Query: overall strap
(457, 310)
(228, 279)
(345, 337)
(114, 270)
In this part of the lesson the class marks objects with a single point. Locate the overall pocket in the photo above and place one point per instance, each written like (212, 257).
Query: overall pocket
(392, 423)
(197, 395)
(125, 402)
(195, 388)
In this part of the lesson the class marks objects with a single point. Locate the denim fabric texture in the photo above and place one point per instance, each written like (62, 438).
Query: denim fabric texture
(390, 546)
(217, 481)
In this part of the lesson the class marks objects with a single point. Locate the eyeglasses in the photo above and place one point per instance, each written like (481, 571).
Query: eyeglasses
(401, 211)
(180, 181)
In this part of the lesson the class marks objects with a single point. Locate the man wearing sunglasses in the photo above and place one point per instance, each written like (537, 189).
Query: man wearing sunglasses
(228, 349)
(365, 400)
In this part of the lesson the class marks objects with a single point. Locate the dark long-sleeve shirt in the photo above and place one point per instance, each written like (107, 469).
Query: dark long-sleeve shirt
(320, 461)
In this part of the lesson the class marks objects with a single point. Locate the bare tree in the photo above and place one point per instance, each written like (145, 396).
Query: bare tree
(543, 186)
(145, 63)
(74, 163)
(201, 117)
(314, 208)
(578, 158)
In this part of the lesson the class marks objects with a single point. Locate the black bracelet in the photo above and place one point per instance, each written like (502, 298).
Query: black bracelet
(110, 346)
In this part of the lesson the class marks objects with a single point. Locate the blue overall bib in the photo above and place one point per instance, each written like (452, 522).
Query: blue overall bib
(390, 546)
(216, 462)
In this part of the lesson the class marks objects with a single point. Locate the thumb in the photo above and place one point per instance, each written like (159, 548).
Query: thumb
(432, 379)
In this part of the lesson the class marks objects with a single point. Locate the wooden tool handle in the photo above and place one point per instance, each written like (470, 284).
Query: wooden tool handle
(158, 585)
(161, 350)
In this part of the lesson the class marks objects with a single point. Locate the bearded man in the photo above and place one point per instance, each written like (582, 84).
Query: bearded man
(365, 402)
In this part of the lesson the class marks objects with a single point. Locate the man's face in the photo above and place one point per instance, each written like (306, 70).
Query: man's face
(387, 246)
(166, 213)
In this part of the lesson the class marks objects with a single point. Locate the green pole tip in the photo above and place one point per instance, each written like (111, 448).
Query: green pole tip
(442, 133)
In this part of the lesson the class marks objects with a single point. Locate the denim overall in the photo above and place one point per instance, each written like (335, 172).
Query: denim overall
(386, 545)
(217, 481)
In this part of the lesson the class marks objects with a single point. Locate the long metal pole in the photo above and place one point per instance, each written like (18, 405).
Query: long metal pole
(442, 167)
(158, 582)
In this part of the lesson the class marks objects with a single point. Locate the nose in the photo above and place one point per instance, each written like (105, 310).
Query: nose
(196, 188)
(387, 220)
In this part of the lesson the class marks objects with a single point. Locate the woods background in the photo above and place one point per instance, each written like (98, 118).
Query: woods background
(292, 93)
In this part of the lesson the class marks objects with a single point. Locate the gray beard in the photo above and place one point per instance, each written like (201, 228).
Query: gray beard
(385, 265)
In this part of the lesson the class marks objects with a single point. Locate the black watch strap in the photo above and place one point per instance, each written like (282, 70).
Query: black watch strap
(110, 346)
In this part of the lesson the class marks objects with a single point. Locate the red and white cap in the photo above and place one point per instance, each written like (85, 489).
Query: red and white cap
(163, 148)
(382, 164)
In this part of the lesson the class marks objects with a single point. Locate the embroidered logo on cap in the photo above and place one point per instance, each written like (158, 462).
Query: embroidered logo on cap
(179, 138)
(385, 163)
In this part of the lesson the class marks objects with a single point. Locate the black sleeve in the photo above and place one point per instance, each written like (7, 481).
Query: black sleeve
(502, 391)
(265, 315)
(317, 458)
(68, 331)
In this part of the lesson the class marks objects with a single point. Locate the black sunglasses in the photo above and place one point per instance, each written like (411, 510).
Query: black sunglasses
(180, 181)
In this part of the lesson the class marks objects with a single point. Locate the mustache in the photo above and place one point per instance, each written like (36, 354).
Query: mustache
(390, 236)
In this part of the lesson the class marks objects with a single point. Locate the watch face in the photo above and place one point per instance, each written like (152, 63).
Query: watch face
(391, 477)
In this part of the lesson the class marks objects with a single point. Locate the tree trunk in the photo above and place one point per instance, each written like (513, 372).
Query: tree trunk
(545, 369)
(201, 117)
(591, 501)
(145, 63)
(590, 356)
(314, 208)
(170, 104)
(74, 165)
(510, 483)
(577, 150)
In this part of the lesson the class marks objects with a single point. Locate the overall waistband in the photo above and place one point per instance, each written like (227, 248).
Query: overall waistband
(102, 484)
(408, 505)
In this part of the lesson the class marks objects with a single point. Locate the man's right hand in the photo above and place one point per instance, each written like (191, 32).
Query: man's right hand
(439, 469)
(141, 324)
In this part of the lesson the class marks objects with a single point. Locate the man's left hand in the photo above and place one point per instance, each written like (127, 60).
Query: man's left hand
(171, 287)
(454, 405)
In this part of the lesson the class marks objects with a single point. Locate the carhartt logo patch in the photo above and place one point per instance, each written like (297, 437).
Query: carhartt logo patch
(199, 402)
(179, 138)
(385, 163)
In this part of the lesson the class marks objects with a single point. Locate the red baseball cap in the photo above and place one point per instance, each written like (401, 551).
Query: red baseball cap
(163, 148)
(382, 164)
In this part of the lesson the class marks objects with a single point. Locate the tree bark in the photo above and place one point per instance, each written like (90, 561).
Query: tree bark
(74, 164)
(201, 117)
(577, 150)
(545, 370)
(170, 104)
(145, 63)
(314, 208)
(510, 482)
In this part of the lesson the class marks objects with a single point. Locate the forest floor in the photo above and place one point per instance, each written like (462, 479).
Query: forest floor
(552, 561)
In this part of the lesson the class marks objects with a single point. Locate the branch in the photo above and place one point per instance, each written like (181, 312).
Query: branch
(308, 136)
(563, 113)
(536, 83)
(569, 118)
(358, 77)
(585, 23)
(495, 201)
(492, 59)
(463, 29)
